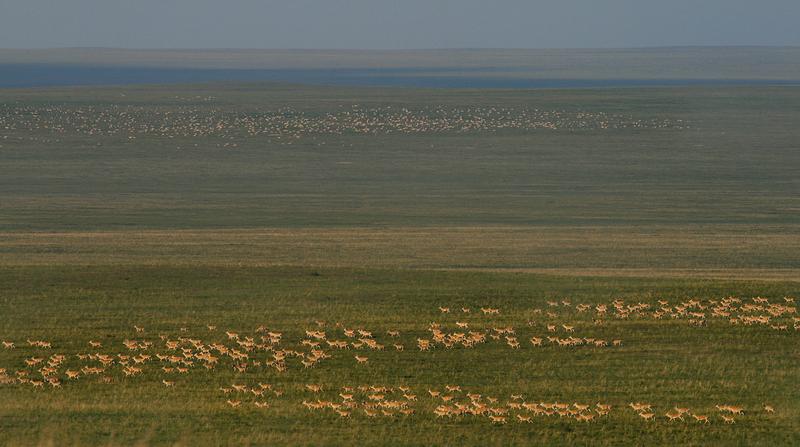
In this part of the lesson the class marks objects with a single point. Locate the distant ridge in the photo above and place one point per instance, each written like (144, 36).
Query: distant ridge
(741, 62)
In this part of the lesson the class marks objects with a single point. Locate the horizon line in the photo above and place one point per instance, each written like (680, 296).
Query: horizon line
(646, 47)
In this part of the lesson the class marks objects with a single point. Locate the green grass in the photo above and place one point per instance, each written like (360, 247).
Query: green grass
(100, 232)
(717, 250)
(735, 164)
(717, 192)
(663, 362)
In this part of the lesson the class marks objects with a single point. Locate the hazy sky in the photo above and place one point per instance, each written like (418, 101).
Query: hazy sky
(396, 23)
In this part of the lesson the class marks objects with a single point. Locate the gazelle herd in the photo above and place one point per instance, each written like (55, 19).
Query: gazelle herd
(451, 401)
(268, 352)
(279, 125)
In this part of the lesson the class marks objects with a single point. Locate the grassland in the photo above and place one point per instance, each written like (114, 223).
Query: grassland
(678, 157)
(702, 251)
(665, 363)
(176, 208)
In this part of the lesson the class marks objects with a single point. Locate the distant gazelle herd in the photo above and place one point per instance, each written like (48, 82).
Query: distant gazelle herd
(172, 359)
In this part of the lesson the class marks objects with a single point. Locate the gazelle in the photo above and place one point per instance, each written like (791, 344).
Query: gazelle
(728, 419)
(735, 410)
(731, 409)
(682, 410)
(673, 416)
(701, 418)
(585, 417)
(639, 407)
(498, 419)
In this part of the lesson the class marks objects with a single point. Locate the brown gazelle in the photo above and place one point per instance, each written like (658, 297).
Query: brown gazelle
(701, 418)
(728, 419)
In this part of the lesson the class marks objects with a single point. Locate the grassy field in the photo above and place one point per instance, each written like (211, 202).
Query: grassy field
(255, 157)
(660, 226)
(665, 363)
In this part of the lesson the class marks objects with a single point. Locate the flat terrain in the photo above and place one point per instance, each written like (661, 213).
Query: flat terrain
(702, 251)
(665, 362)
(647, 238)
(675, 178)
(255, 157)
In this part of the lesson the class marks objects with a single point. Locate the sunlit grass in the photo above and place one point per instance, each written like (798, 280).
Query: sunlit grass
(664, 362)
